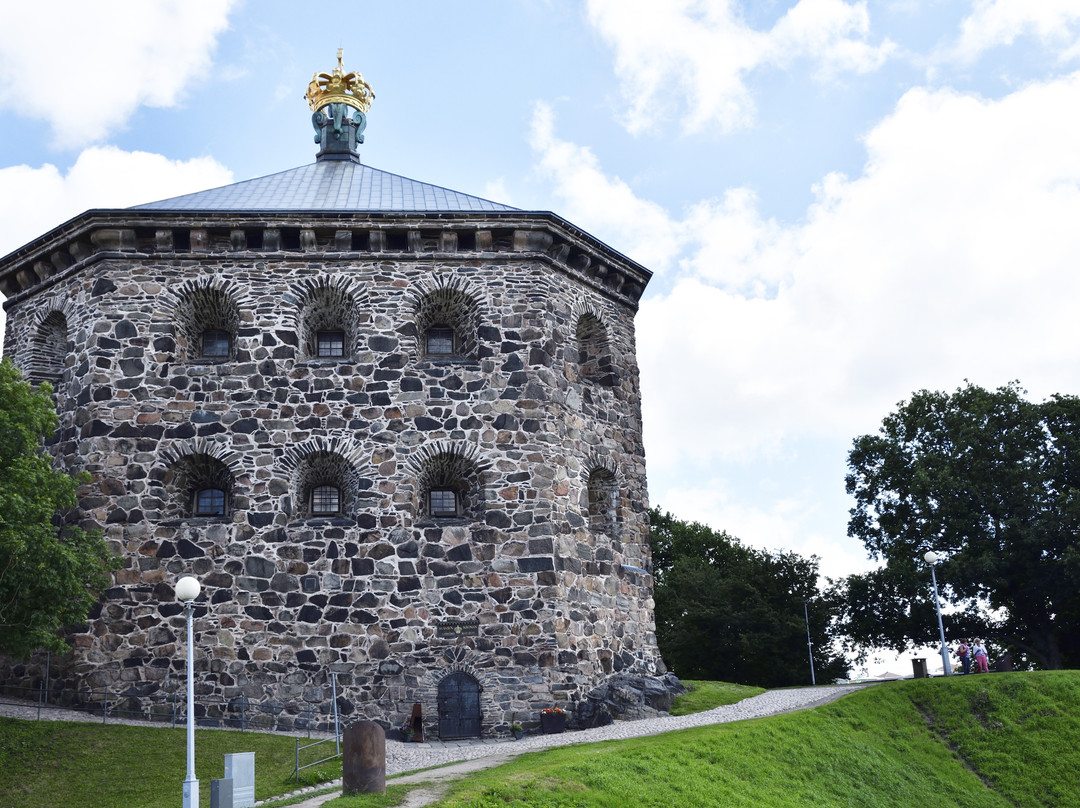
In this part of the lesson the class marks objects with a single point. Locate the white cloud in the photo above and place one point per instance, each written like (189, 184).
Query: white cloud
(638, 226)
(786, 521)
(134, 53)
(34, 200)
(993, 23)
(952, 255)
(495, 190)
(700, 53)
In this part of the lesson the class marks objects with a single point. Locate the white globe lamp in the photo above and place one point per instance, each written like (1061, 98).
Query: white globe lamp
(187, 589)
(932, 559)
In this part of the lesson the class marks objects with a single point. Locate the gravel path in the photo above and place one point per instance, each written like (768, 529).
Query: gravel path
(402, 757)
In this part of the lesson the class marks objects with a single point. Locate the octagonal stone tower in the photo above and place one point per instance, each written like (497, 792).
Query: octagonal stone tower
(394, 430)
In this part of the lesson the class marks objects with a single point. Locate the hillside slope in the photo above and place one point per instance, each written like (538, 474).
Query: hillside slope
(980, 741)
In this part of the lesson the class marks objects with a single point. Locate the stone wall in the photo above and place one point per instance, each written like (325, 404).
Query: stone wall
(534, 422)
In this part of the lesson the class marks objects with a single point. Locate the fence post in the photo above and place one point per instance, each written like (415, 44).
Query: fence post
(296, 771)
(105, 706)
(41, 696)
(243, 712)
(337, 727)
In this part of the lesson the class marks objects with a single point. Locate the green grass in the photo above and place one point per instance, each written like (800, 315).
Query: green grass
(83, 765)
(1019, 731)
(991, 741)
(707, 695)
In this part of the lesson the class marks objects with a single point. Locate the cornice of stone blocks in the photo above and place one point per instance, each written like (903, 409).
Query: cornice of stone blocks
(151, 235)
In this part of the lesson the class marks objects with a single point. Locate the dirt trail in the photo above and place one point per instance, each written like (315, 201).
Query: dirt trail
(433, 783)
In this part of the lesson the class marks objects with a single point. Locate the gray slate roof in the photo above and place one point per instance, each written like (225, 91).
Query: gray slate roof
(331, 185)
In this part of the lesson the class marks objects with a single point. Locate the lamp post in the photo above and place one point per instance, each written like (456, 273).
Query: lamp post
(809, 645)
(932, 559)
(187, 589)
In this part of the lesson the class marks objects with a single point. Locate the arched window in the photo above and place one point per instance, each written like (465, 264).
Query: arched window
(594, 351)
(447, 321)
(49, 349)
(603, 491)
(198, 485)
(206, 322)
(328, 323)
(324, 484)
(450, 484)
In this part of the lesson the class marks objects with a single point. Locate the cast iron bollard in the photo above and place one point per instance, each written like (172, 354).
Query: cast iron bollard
(363, 759)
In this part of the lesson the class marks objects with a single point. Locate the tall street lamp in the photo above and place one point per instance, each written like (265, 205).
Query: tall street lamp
(932, 559)
(187, 589)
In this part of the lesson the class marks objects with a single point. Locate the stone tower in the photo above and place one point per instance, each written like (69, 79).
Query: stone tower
(394, 430)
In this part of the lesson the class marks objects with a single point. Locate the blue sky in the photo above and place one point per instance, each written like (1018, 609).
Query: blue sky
(842, 202)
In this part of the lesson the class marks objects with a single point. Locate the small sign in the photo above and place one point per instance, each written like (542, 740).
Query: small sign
(449, 629)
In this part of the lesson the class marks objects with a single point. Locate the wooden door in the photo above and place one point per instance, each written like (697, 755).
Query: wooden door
(459, 707)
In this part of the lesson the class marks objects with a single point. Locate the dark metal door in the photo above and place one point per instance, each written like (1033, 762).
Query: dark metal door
(459, 707)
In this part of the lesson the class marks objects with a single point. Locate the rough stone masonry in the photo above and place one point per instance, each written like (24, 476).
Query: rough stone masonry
(401, 445)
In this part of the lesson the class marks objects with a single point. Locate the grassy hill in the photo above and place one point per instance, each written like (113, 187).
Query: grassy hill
(56, 764)
(986, 741)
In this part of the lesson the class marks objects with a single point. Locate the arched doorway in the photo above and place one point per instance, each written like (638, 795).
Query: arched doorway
(459, 707)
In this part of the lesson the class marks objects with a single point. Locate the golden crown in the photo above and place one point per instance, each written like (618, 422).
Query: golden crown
(339, 87)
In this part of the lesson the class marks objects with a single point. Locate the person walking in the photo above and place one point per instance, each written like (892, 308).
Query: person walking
(963, 653)
(982, 663)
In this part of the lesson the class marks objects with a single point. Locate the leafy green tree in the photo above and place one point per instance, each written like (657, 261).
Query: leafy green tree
(50, 571)
(728, 612)
(992, 482)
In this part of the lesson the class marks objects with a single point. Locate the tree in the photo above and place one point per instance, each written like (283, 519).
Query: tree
(50, 570)
(992, 482)
(729, 612)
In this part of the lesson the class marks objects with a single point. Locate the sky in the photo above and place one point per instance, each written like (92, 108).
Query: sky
(841, 202)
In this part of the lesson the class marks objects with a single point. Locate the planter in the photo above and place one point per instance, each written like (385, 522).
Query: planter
(553, 723)
(518, 734)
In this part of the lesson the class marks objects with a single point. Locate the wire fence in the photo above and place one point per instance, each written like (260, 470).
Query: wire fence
(312, 713)
(239, 714)
(304, 751)
(119, 706)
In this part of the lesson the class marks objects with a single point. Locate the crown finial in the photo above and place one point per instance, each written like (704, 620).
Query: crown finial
(339, 87)
(339, 129)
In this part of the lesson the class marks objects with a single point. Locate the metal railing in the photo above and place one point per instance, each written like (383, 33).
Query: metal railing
(210, 713)
(336, 739)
